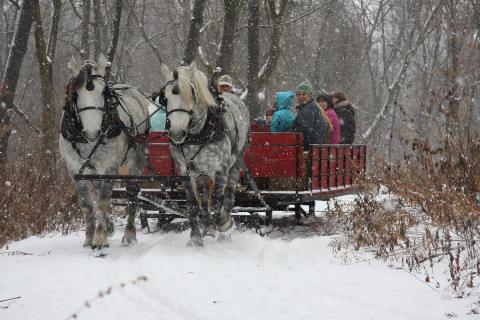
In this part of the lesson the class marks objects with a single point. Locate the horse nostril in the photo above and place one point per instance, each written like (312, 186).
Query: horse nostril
(177, 136)
(90, 86)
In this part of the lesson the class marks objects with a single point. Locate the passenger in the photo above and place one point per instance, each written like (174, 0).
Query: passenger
(326, 105)
(158, 118)
(346, 116)
(225, 84)
(266, 119)
(269, 116)
(283, 117)
(309, 120)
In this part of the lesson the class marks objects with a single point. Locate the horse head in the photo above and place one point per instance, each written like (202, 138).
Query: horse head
(188, 98)
(85, 95)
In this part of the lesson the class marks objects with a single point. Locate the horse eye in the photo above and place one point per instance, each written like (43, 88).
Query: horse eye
(175, 90)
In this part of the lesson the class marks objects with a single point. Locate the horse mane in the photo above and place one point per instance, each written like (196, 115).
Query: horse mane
(74, 84)
(192, 81)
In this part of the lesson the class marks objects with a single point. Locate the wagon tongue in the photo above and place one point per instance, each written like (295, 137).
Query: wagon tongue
(162, 204)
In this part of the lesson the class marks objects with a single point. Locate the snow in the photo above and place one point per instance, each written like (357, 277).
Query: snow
(249, 278)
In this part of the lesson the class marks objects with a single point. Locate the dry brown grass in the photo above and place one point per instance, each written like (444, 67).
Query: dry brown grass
(34, 202)
(423, 215)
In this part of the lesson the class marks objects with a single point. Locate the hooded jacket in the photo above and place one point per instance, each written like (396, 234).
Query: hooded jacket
(283, 117)
(311, 124)
(346, 116)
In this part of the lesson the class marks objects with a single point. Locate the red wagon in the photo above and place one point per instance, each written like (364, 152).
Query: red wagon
(284, 174)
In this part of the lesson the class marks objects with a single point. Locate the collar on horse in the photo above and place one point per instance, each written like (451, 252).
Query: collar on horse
(212, 131)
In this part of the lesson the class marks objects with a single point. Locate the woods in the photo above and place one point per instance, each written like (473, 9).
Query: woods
(411, 69)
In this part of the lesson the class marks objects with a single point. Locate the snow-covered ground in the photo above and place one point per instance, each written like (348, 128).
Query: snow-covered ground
(248, 278)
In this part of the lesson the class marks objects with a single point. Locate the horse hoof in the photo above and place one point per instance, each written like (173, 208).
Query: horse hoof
(100, 252)
(88, 242)
(195, 243)
(224, 237)
(226, 226)
(209, 232)
(129, 237)
(128, 240)
(110, 228)
(100, 242)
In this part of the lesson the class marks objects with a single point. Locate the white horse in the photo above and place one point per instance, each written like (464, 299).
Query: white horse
(207, 140)
(99, 127)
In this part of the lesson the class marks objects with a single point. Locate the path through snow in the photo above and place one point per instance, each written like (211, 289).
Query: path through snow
(249, 278)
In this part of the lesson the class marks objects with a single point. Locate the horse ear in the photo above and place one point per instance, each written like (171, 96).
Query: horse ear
(165, 72)
(102, 62)
(193, 65)
(74, 66)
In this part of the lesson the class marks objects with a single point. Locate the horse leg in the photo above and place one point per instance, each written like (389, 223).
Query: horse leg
(130, 235)
(203, 200)
(193, 208)
(136, 162)
(100, 239)
(223, 219)
(231, 188)
(86, 207)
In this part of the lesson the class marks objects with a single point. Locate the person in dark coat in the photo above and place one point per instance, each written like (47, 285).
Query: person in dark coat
(309, 121)
(346, 116)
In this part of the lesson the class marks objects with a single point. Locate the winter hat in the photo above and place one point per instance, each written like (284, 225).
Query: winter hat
(225, 79)
(305, 86)
(325, 97)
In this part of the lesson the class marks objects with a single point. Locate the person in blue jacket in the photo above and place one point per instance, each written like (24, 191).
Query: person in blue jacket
(159, 117)
(283, 116)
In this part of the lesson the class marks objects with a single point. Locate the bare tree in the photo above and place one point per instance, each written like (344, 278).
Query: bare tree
(274, 44)
(253, 57)
(97, 19)
(45, 51)
(11, 74)
(225, 57)
(194, 33)
(85, 51)
(113, 44)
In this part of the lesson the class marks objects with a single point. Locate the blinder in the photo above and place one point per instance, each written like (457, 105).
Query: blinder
(88, 70)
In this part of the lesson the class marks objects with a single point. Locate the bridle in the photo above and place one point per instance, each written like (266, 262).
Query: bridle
(164, 101)
(90, 86)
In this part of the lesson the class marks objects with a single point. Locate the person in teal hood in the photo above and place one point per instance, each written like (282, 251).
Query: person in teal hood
(158, 117)
(283, 116)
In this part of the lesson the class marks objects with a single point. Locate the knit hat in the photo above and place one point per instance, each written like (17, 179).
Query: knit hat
(325, 97)
(225, 79)
(305, 86)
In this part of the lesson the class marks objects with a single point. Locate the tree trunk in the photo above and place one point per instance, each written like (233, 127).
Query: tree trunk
(452, 69)
(225, 58)
(10, 77)
(85, 48)
(253, 56)
(45, 58)
(194, 33)
(115, 32)
(274, 47)
(97, 19)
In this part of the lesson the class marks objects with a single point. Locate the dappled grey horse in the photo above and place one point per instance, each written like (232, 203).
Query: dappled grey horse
(100, 124)
(207, 139)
